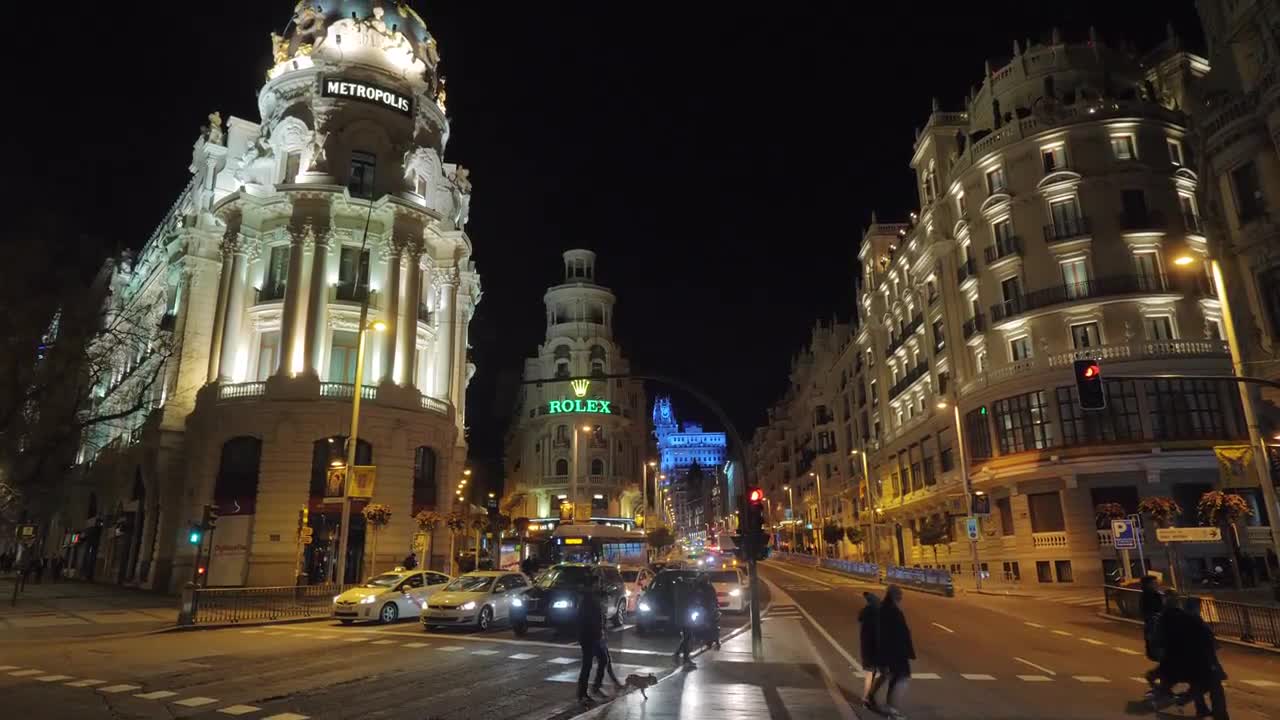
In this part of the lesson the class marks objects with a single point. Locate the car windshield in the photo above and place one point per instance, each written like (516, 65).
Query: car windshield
(630, 575)
(470, 583)
(384, 581)
(666, 578)
(566, 575)
(724, 576)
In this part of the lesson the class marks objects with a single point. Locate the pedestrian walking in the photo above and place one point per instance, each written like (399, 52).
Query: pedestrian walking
(869, 642)
(894, 651)
(591, 629)
(688, 613)
(1189, 656)
(708, 602)
(1151, 604)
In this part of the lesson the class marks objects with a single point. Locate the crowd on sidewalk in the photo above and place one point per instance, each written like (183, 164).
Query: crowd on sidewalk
(31, 567)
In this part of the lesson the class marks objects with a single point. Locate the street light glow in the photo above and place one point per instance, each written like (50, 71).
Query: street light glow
(467, 471)
(1183, 260)
(942, 404)
(379, 326)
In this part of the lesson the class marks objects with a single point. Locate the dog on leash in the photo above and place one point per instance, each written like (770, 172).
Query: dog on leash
(640, 682)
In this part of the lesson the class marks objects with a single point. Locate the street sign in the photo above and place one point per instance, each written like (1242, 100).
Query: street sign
(1189, 534)
(308, 532)
(1124, 535)
(26, 533)
(306, 540)
(971, 526)
(362, 478)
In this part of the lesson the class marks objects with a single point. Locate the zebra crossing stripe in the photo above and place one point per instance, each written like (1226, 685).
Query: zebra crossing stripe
(926, 676)
(86, 683)
(196, 701)
(53, 678)
(976, 676)
(1035, 678)
(156, 695)
(239, 710)
(26, 673)
(522, 656)
(1090, 679)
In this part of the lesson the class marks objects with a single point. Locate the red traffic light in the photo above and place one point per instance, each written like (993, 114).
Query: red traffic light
(1091, 371)
(200, 570)
(756, 496)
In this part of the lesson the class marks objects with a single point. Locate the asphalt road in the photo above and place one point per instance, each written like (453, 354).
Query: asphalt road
(314, 670)
(995, 657)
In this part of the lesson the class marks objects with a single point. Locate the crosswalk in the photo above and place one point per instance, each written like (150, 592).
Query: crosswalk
(781, 611)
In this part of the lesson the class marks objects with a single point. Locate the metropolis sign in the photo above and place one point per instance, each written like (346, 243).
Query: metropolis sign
(367, 92)
(579, 405)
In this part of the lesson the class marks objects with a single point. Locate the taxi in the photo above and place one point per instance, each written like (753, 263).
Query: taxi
(388, 597)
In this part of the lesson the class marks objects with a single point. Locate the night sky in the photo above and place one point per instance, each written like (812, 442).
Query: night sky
(720, 158)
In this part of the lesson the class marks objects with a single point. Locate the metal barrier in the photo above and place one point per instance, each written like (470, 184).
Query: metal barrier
(864, 570)
(1258, 624)
(218, 606)
(797, 558)
(934, 581)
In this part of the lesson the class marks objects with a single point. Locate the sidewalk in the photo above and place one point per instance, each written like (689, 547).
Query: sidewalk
(791, 681)
(72, 609)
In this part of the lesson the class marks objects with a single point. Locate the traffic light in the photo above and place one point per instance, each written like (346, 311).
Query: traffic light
(210, 520)
(195, 535)
(1089, 388)
(753, 530)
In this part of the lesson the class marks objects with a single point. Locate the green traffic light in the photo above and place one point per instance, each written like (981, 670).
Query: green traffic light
(194, 538)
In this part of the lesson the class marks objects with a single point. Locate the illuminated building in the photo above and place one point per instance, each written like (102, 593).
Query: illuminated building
(1052, 206)
(551, 416)
(337, 194)
(679, 450)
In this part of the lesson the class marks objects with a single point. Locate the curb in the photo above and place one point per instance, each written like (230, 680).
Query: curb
(1229, 641)
(247, 623)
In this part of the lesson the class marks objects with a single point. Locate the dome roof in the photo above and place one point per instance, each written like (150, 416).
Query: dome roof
(311, 18)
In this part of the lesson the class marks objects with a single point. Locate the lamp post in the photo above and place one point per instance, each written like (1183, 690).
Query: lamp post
(965, 482)
(1261, 461)
(819, 539)
(873, 501)
(344, 525)
(644, 489)
(791, 505)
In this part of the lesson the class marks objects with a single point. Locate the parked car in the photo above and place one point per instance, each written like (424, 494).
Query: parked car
(553, 599)
(389, 596)
(733, 591)
(636, 579)
(656, 608)
(476, 598)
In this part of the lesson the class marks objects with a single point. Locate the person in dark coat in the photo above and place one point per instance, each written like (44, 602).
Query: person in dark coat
(591, 628)
(1190, 656)
(869, 640)
(706, 593)
(1151, 604)
(686, 602)
(894, 650)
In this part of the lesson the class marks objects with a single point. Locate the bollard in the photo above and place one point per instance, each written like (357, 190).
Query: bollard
(186, 613)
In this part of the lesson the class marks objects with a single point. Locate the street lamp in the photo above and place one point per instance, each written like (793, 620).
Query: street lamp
(819, 540)
(344, 525)
(965, 484)
(644, 488)
(1260, 458)
(791, 505)
(872, 500)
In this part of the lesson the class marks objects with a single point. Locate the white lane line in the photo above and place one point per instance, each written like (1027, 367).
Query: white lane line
(451, 648)
(239, 710)
(1139, 680)
(1090, 679)
(195, 701)
(1041, 668)
(417, 645)
(119, 688)
(1034, 625)
(287, 716)
(562, 661)
(86, 683)
(320, 637)
(1091, 641)
(1035, 678)
(156, 695)
(1127, 651)
(355, 639)
(9, 667)
(799, 575)
(1261, 683)
(977, 676)
(926, 676)
(383, 642)
(26, 673)
(522, 656)
(484, 652)
(1063, 633)
(943, 627)
(253, 632)
(53, 678)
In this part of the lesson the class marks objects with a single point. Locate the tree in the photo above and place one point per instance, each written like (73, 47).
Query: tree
(660, 539)
(479, 524)
(934, 532)
(456, 524)
(521, 525)
(1224, 510)
(832, 533)
(428, 521)
(376, 517)
(856, 536)
(1164, 512)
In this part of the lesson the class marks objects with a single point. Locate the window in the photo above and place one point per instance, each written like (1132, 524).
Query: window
(1045, 510)
(1020, 348)
(292, 164)
(1269, 288)
(1175, 152)
(1005, 509)
(597, 467)
(875, 396)
(277, 274)
(995, 180)
(1122, 147)
(1133, 208)
(562, 467)
(1118, 422)
(342, 357)
(353, 273)
(961, 205)
(1158, 327)
(363, 171)
(980, 360)
(946, 454)
(1147, 265)
(1011, 289)
(1003, 232)
(562, 361)
(1022, 423)
(1190, 215)
(1084, 335)
(1075, 278)
(1055, 158)
(1063, 570)
(597, 361)
(1066, 218)
(424, 479)
(1126, 496)
(1044, 571)
(1189, 409)
(268, 353)
(1249, 204)
(976, 435)
(939, 336)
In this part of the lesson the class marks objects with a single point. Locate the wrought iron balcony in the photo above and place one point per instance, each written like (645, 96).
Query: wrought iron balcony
(912, 375)
(1148, 220)
(1095, 288)
(1003, 248)
(967, 269)
(1069, 229)
(270, 292)
(974, 325)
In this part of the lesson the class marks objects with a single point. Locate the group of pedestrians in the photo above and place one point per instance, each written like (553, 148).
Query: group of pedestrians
(32, 567)
(1185, 650)
(887, 651)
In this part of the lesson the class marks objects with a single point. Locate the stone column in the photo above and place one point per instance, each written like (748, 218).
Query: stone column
(408, 329)
(235, 309)
(294, 303)
(391, 314)
(220, 312)
(447, 281)
(313, 337)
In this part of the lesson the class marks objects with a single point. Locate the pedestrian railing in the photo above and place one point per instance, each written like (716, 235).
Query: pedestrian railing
(928, 580)
(864, 570)
(1258, 624)
(220, 606)
(797, 558)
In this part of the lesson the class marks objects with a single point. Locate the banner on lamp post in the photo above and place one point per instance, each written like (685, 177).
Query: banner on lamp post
(1233, 463)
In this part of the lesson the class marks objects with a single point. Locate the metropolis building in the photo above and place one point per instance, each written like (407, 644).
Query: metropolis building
(600, 419)
(1051, 208)
(337, 195)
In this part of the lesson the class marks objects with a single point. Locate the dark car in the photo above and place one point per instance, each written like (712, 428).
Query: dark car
(656, 608)
(553, 599)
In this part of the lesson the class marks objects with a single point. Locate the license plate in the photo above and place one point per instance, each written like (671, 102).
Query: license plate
(537, 618)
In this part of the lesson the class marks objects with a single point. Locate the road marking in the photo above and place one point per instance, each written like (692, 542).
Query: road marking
(1063, 633)
(86, 683)
(976, 676)
(1091, 641)
(1041, 668)
(1035, 678)
(9, 667)
(804, 577)
(286, 716)
(1140, 680)
(484, 652)
(156, 695)
(926, 676)
(562, 661)
(239, 710)
(1127, 651)
(195, 701)
(53, 678)
(1034, 625)
(1090, 679)
(451, 648)
(321, 637)
(417, 645)
(355, 639)
(253, 632)
(119, 688)
(944, 627)
(522, 656)
(823, 632)
(1261, 683)
(383, 642)
(26, 673)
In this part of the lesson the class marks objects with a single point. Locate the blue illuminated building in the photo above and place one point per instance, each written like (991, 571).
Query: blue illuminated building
(679, 449)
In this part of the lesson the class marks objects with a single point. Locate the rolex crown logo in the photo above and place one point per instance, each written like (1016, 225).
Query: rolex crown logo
(580, 387)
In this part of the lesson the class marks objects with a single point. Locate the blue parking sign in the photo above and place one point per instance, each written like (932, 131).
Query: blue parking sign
(1123, 535)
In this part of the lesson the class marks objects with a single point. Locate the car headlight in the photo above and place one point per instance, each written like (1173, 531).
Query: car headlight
(736, 592)
(560, 604)
(469, 605)
(644, 607)
(517, 602)
(335, 598)
(368, 599)
(627, 592)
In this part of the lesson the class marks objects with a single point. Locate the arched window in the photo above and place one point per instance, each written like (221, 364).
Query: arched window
(597, 467)
(562, 467)
(326, 451)
(597, 360)
(424, 479)
(562, 434)
(236, 489)
(562, 361)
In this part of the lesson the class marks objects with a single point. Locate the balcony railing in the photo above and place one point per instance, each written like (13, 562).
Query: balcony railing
(347, 390)
(967, 269)
(1070, 292)
(236, 391)
(1069, 229)
(1149, 220)
(269, 292)
(908, 330)
(349, 292)
(434, 405)
(1053, 539)
(912, 375)
(1003, 248)
(1105, 539)
(974, 325)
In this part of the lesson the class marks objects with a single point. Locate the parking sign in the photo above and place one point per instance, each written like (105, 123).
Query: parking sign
(1123, 535)
(971, 525)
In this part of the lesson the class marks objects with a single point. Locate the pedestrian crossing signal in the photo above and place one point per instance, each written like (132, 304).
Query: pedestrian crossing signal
(194, 536)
